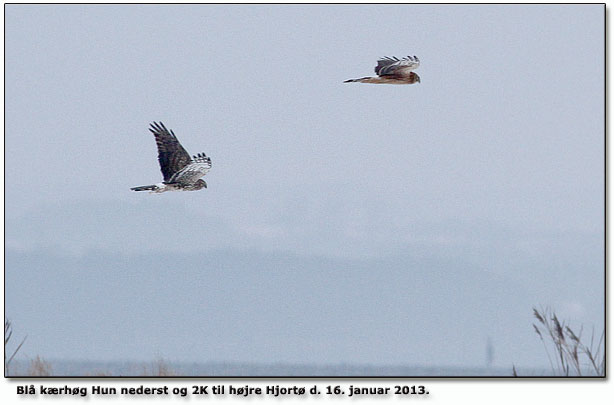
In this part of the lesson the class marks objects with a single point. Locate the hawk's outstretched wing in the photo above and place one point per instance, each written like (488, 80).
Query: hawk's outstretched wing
(199, 166)
(396, 67)
(171, 155)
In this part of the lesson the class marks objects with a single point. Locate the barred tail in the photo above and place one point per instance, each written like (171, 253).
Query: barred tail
(152, 187)
(356, 80)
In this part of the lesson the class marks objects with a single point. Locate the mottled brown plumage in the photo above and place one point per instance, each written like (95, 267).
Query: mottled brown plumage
(393, 71)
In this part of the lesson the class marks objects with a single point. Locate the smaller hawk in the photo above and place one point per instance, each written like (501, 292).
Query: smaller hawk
(393, 71)
(180, 171)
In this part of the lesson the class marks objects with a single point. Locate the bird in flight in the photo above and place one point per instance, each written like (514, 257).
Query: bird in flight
(180, 171)
(393, 71)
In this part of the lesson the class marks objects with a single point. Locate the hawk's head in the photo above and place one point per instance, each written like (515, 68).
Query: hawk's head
(200, 184)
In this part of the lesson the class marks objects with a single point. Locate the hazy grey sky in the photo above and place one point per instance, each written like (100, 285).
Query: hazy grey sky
(492, 166)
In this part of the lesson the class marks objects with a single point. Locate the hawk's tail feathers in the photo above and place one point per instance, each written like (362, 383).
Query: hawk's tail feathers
(152, 187)
(356, 80)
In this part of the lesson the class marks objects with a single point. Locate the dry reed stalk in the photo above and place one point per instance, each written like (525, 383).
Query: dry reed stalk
(8, 333)
(568, 347)
(40, 368)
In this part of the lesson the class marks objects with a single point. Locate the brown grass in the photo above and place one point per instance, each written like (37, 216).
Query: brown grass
(159, 368)
(39, 368)
(572, 357)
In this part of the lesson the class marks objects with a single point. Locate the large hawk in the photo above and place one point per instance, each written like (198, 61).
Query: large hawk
(393, 71)
(181, 172)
